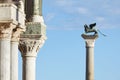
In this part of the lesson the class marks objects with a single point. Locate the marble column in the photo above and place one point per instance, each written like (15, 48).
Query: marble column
(37, 11)
(5, 39)
(14, 53)
(12, 16)
(32, 39)
(29, 49)
(33, 11)
(89, 40)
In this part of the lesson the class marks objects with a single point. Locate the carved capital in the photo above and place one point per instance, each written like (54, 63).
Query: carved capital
(16, 34)
(90, 43)
(89, 39)
(6, 30)
(30, 47)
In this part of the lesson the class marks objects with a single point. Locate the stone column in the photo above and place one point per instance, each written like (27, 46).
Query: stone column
(36, 7)
(5, 38)
(29, 49)
(12, 16)
(89, 40)
(37, 11)
(40, 7)
(14, 53)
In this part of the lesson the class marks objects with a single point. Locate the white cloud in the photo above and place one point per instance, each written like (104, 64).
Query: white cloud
(63, 28)
(104, 14)
(49, 16)
(115, 11)
(66, 3)
(82, 10)
(100, 19)
(106, 26)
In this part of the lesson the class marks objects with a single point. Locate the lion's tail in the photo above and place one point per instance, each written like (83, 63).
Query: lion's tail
(101, 33)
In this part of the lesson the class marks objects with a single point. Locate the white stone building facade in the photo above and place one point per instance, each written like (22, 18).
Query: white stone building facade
(21, 27)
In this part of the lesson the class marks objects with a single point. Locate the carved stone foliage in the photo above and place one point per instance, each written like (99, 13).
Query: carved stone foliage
(5, 30)
(30, 47)
(16, 33)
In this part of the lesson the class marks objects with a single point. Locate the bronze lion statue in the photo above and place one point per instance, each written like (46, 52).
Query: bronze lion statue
(91, 28)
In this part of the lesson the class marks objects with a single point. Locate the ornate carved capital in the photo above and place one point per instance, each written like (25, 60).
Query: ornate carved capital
(6, 30)
(16, 34)
(30, 47)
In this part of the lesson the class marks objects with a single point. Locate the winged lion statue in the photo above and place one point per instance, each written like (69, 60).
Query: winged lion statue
(91, 28)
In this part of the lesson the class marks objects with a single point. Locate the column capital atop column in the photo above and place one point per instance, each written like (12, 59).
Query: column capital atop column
(30, 47)
(89, 39)
(16, 34)
(6, 30)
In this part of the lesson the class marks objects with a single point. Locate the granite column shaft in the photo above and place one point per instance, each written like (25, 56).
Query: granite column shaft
(89, 40)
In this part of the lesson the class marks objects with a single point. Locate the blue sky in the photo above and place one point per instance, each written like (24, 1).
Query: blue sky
(63, 55)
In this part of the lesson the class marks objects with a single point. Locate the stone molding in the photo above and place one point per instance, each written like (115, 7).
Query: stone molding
(29, 47)
(7, 5)
(12, 12)
(19, 5)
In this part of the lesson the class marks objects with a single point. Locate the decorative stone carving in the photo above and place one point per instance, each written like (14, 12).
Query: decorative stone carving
(16, 34)
(6, 30)
(89, 39)
(30, 47)
(35, 28)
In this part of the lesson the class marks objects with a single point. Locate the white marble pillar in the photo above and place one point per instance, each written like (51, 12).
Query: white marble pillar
(14, 61)
(5, 38)
(11, 17)
(4, 59)
(29, 68)
(29, 49)
(14, 53)
(89, 40)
